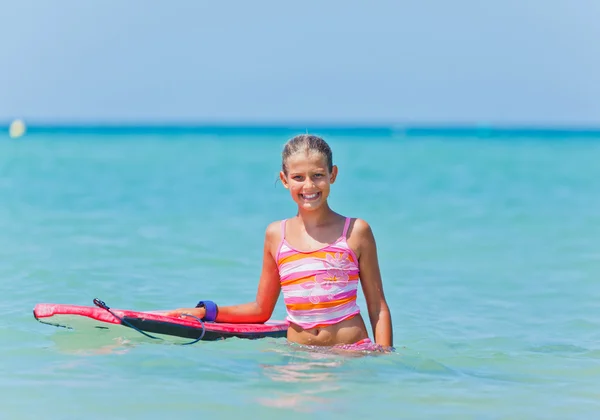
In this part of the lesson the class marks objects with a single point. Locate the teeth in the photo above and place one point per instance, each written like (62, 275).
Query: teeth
(310, 196)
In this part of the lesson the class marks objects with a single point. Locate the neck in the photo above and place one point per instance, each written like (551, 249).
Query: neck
(317, 217)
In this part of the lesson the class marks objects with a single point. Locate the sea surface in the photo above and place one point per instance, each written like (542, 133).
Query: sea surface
(489, 246)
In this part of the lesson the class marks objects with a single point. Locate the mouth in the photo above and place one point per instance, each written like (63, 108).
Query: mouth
(310, 197)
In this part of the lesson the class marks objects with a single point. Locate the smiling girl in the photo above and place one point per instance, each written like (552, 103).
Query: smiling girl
(317, 260)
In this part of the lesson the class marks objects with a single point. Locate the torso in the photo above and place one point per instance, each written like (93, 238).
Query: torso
(349, 331)
(321, 276)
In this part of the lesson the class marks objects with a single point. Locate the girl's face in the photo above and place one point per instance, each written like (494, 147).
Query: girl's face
(308, 179)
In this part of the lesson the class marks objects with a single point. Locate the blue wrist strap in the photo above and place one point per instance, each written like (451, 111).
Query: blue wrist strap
(211, 309)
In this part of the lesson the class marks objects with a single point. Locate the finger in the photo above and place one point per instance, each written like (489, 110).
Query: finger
(174, 313)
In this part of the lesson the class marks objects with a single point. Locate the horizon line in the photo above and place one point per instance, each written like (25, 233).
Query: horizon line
(391, 128)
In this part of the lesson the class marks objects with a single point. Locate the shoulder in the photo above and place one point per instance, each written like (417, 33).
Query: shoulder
(273, 232)
(360, 229)
(360, 235)
(272, 238)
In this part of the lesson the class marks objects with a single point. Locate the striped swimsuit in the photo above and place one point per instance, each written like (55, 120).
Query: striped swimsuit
(319, 287)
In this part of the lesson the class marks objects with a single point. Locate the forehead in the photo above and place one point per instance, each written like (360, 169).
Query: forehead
(305, 160)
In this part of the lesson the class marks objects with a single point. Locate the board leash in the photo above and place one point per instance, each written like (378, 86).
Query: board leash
(104, 306)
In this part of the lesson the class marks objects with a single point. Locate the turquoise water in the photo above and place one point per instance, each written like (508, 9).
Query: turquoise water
(489, 249)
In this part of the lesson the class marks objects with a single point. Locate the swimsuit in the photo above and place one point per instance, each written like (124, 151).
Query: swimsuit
(319, 287)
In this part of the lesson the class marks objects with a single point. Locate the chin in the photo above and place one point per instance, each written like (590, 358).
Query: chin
(310, 206)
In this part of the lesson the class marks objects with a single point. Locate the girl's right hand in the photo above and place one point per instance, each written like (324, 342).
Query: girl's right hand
(178, 313)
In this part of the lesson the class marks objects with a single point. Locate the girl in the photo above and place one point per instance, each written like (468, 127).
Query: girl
(317, 259)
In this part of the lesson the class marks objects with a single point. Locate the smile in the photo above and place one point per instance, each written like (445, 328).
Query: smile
(310, 197)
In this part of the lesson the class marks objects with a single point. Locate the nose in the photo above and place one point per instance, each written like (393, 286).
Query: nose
(309, 183)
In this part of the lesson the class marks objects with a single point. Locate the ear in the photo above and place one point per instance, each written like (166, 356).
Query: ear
(283, 179)
(333, 176)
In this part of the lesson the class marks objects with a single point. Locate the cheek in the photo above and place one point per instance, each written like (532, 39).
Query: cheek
(323, 183)
(294, 186)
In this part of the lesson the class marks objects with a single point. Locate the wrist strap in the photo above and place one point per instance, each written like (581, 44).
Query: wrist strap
(212, 309)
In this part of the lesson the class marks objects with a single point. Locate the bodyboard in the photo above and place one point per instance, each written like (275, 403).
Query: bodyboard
(153, 322)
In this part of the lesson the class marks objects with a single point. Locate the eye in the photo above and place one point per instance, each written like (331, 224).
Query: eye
(297, 177)
(319, 175)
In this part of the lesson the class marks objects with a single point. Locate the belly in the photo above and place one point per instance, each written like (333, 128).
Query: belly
(348, 331)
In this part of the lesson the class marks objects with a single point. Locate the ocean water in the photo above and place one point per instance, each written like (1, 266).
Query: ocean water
(489, 247)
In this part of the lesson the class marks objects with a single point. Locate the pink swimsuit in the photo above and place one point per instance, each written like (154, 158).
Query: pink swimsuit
(319, 287)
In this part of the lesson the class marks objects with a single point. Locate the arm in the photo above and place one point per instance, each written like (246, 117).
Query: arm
(269, 288)
(370, 275)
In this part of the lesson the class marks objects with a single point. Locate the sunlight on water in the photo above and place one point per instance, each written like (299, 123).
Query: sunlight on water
(488, 248)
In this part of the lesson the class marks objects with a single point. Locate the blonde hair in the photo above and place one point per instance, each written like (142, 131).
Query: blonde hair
(306, 143)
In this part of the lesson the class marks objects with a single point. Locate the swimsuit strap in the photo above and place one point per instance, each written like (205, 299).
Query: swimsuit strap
(283, 229)
(346, 226)
(281, 241)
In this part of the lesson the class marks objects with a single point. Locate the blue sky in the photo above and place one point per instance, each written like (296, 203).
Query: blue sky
(327, 61)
